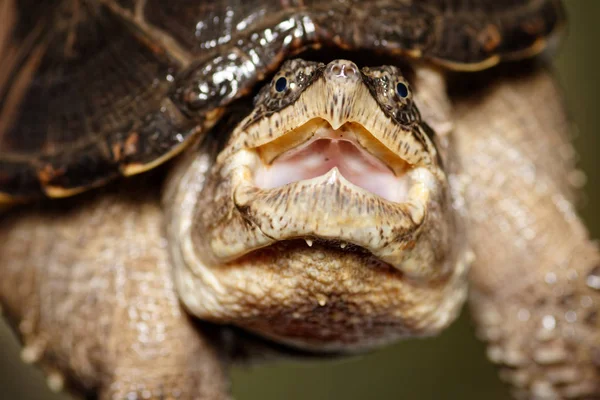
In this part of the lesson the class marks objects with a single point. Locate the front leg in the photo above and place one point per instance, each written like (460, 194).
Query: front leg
(87, 284)
(536, 279)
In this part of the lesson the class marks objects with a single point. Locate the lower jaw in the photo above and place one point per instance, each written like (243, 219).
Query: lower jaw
(327, 207)
(319, 298)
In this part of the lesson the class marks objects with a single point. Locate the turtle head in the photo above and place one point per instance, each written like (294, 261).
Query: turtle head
(325, 222)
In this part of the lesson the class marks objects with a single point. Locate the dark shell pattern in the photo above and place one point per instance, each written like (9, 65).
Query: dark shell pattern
(90, 89)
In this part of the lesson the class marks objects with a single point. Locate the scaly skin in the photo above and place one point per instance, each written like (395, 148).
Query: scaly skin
(81, 280)
(87, 285)
(534, 283)
(239, 250)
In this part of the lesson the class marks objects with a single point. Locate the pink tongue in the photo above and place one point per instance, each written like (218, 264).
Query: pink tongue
(320, 156)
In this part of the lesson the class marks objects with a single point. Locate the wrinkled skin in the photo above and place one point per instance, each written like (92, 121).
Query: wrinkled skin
(272, 256)
(68, 271)
(534, 284)
(254, 235)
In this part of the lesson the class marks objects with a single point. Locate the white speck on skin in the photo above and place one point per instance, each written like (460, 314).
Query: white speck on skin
(549, 322)
(321, 299)
(56, 382)
(571, 316)
(523, 314)
(550, 278)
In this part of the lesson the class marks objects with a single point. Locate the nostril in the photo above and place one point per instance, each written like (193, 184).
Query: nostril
(350, 70)
(343, 70)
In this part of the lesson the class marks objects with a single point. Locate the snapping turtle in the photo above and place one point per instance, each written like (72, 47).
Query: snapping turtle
(342, 209)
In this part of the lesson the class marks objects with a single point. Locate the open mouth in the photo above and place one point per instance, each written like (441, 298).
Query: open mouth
(315, 148)
(337, 183)
(327, 205)
(337, 164)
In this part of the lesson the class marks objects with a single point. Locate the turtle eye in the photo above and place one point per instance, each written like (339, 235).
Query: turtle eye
(402, 90)
(281, 84)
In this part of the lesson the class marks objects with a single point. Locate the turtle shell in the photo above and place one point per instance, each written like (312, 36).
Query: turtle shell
(90, 89)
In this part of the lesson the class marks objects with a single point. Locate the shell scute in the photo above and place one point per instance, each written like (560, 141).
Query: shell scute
(91, 90)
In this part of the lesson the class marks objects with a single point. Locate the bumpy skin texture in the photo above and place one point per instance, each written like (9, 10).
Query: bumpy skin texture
(535, 291)
(371, 270)
(87, 284)
(101, 88)
(80, 280)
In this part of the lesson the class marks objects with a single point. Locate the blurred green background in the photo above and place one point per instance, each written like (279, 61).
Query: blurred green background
(451, 366)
